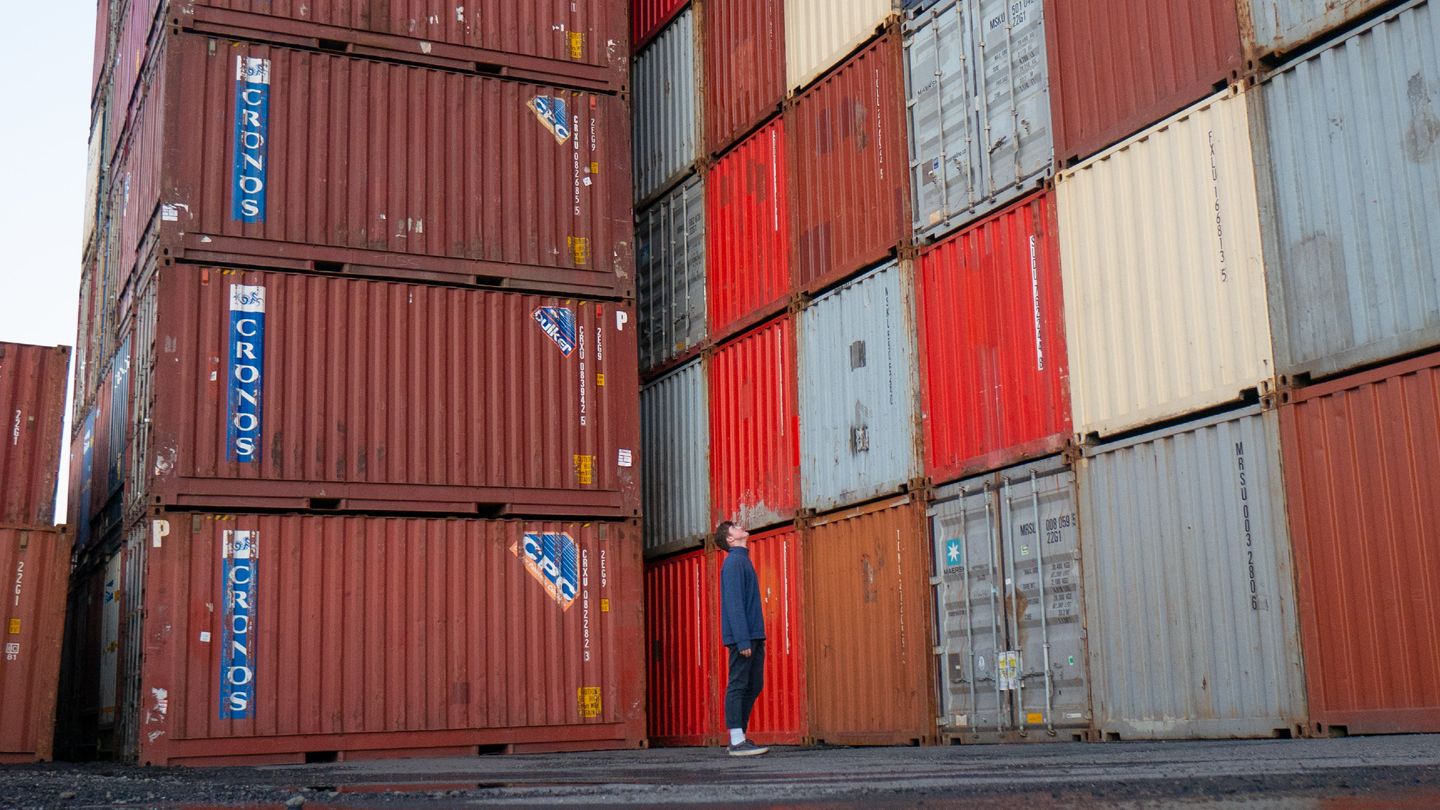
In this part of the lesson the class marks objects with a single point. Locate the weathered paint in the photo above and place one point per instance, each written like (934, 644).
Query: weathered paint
(648, 17)
(667, 108)
(32, 427)
(1280, 26)
(675, 437)
(744, 56)
(747, 230)
(670, 274)
(34, 564)
(1189, 583)
(681, 634)
(821, 33)
(1362, 486)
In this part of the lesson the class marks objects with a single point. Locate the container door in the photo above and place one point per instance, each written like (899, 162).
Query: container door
(945, 144)
(110, 641)
(132, 616)
(1012, 93)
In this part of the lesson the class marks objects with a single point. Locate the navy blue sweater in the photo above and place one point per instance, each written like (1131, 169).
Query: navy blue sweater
(740, 618)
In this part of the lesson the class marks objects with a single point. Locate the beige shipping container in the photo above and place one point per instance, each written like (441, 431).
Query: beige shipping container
(1164, 271)
(820, 33)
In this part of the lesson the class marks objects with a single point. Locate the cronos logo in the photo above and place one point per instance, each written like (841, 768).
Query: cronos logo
(252, 131)
(246, 374)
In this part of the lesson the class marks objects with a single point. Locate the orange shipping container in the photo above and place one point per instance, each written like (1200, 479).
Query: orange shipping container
(35, 564)
(32, 406)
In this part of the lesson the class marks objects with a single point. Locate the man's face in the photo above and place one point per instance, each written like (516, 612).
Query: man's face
(738, 533)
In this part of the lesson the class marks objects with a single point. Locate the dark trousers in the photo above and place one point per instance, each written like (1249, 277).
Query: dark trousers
(747, 676)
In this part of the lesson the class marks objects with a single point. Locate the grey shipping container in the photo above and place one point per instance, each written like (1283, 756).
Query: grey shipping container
(859, 390)
(1280, 26)
(1008, 603)
(666, 108)
(1353, 201)
(670, 274)
(1189, 583)
(978, 95)
(675, 442)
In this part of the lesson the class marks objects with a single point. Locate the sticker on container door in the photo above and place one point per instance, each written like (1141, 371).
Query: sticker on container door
(1007, 670)
(553, 114)
(553, 559)
(252, 130)
(954, 553)
(240, 554)
(589, 700)
(246, 373)
(559, 326)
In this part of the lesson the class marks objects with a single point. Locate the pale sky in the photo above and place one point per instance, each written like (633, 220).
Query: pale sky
(46, 50)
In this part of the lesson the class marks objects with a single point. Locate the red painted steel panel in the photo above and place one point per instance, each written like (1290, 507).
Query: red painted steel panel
(102, 47)
(381, 392)
(35, 564)
(852, 192)
(754, 427)
(744, 46)
(994, 375)
(1362, 486)
(867, 594)
(647, 17)
(747, 231)
(779, 717)
(1117, 66)
(131, 50)
(682, 633)
(32, 412)
(379, 165)
(392, 634)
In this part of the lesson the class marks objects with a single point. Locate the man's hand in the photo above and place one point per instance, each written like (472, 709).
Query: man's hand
(745, 652)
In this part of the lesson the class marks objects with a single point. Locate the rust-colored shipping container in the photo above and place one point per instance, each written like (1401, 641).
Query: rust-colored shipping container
(316, 161)
(35, 564)
(744, 48)
(647, 17)
(1117, 66)
(299, 391)
(32, 413)
(851, 187)
(1362, 485)
(755, 427)
(868, 625)
(747, 232)
(270, 638)
(994, 376)
(682, 632)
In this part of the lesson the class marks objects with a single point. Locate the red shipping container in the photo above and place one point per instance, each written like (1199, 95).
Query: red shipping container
(747, 232)
(994, 374)
(1117, 66)
(647, 17)
(755, 427)
(683, 632)
(36, 565)
(32, 405)
(371, 395)
(1361, 485)
(852, 188)
(102, 49)
(267, 637)
(744, 46)
(375, 167)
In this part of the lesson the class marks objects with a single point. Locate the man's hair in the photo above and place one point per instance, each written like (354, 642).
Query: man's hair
(722, 535)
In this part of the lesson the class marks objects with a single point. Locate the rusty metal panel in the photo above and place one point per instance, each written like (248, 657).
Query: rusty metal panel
(747, 230)
(850, 190)
(681, 636)
(1353, 226)
(868, 628)
(670, 274)
(1189, 583)
(1118, 66)
(755, 427)
(859, 391)
(32, 414)
(297, 390)
(675, 435)
(1279, 26)
(35, 564)
(1362, 486)
(744, 58)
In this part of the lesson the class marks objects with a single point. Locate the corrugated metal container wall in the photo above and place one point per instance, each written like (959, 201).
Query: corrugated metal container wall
(531, 636)
(675, 437)
(666, 108)
(744, 54)
(647, 17)
(995, 378)
(1354, 134)
(1190, 585)
(779, 716)
(1165, 307)
(978, 94)
(1279, 26)
(847, 135)
(32, 411)
(859, 432)
(1009, 606)
(36, 565)
(377, 164)
(754, 428)
(104, 34)
(1362, 487)
(820, 33)
(388, 395)
(1121, 65)
(670, 274)
(95, 175)
(868, 627)
(132, 38)
(747, 230)
(681, 632)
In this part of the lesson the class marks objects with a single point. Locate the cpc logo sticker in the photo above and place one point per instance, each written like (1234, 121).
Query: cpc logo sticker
(553, 559)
